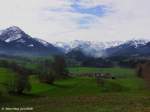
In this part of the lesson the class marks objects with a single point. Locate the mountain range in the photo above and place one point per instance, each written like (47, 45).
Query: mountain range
(90, 48)
(132, 48)
(14, 41)
(107, 49)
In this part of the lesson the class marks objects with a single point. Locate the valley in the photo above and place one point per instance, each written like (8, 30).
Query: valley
(81, 77)
(126, 93)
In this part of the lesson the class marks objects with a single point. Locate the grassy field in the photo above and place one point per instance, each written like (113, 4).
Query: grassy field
(126, 93)
(118, 72)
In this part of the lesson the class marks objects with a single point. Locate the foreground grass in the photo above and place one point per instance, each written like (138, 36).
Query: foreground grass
(126, 93)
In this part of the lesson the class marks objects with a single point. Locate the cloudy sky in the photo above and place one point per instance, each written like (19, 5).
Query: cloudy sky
(66, 20)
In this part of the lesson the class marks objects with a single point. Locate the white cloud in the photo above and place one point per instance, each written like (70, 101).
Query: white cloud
(127, 19)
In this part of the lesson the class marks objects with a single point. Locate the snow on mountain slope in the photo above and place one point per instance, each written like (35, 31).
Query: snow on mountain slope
(10, 34)
(16, 41)
(42, 41)
(137, 43)
(14, 33)
(98, 49)
(13, 37)
(129, 48)
(82, 44)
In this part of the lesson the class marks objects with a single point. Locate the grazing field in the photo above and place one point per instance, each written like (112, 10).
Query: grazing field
(126, 93)
(116, 71)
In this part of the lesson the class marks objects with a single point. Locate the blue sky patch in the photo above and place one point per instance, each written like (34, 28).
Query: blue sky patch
(98, 10)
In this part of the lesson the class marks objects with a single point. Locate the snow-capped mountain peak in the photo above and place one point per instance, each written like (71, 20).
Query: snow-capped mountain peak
(92, 48)
(14, 33)
(16, 41)
(14, 28)
(99, 49)
(11, 34)
(137, 43)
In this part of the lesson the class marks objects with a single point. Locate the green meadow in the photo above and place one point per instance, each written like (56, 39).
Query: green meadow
(126, 93)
